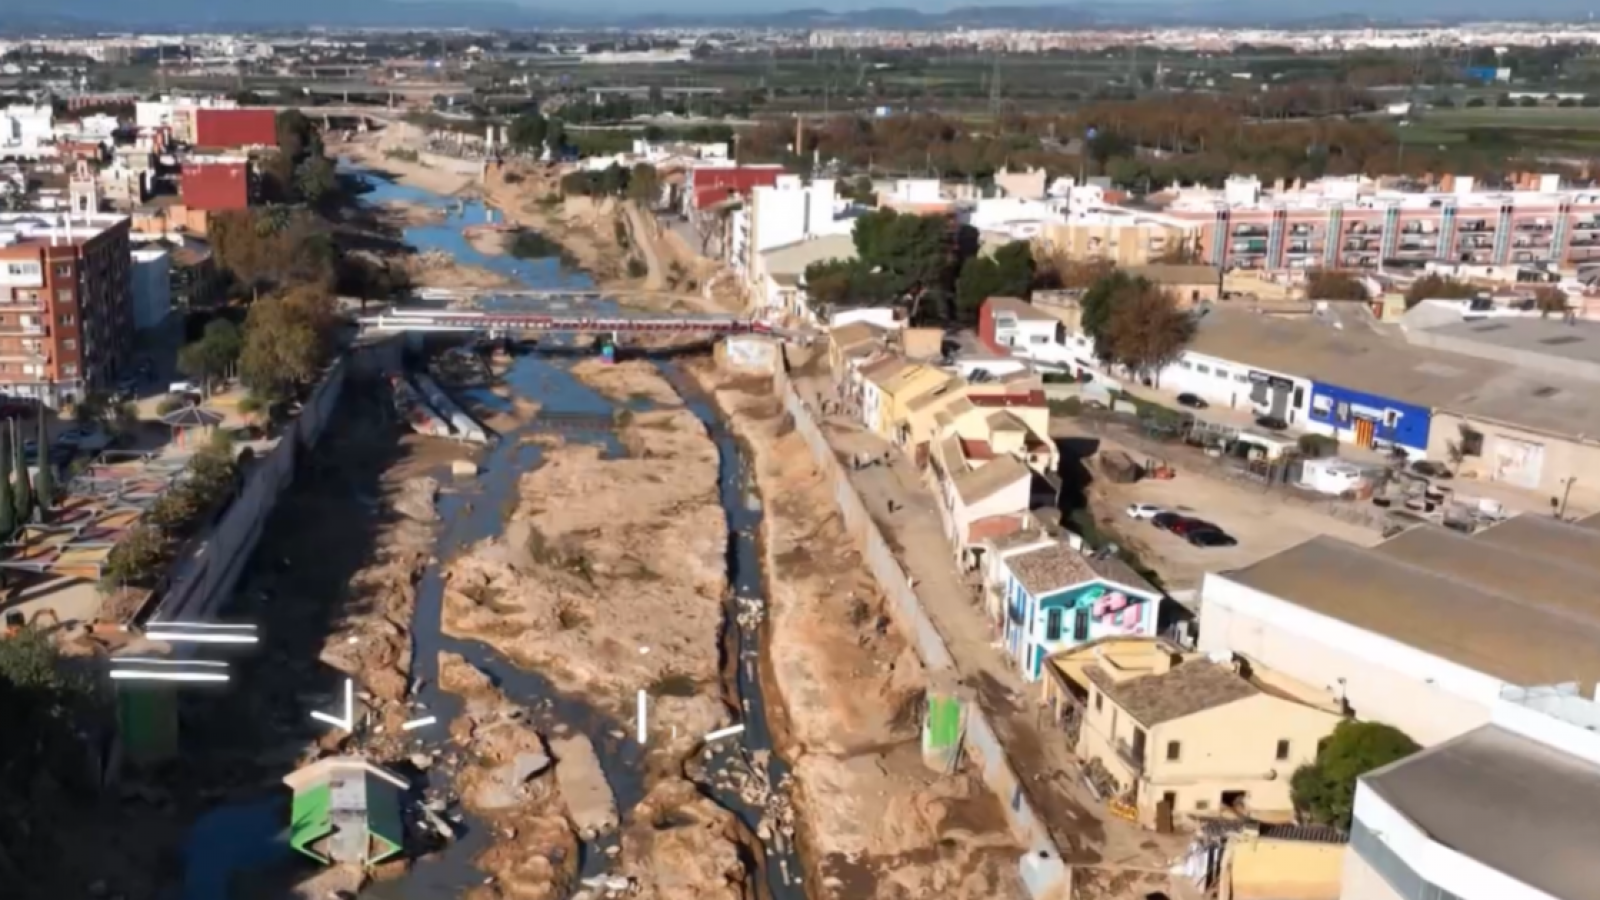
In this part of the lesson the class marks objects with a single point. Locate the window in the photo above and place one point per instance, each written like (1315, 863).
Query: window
(1080, 625)
(69, 369)
(69, 344)
(1321, 404)
(64, 296)
(1038, 339)
(1391, 417)
(1052, 625)
(1283, 751)
(1202, 805)
(67, 320)
(63, 270)
(1221, 373)
(1183, 363)
(1242, 378)
(1174, 751)
(1099, 701)
(1202, 369)
(1471, 442)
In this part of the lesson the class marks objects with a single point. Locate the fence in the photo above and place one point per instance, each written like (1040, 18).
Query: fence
(982, 744)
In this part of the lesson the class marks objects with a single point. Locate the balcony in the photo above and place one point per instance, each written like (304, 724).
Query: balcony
(1476, 226)
(1586, 225)
(1132, 756)
(1250, 231)
(1533, 228)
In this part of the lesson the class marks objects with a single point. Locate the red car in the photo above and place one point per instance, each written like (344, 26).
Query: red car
(1183, 527)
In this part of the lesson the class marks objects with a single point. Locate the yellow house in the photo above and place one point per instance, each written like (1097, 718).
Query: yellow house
(1259, 866)
(853, 342)
(900, 387)
(1173, 737)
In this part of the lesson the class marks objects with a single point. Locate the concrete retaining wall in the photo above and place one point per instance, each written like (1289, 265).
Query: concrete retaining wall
(982, 745)
(202, 580)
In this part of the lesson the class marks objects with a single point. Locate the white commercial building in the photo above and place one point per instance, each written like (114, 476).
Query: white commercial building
(1504, 812)
(1426, 631)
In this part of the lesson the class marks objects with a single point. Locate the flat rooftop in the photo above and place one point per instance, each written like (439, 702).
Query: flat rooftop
(1441, 606)
(1579, 341)
(51, 229)
(1513, 804)
(1390, 367)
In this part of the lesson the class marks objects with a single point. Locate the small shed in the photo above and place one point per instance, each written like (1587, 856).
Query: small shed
(191, 419)
(1331, 476)
(346, 810)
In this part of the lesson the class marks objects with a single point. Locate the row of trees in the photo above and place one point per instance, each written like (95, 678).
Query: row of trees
(21, 497)
(641, 184)
(147, 549)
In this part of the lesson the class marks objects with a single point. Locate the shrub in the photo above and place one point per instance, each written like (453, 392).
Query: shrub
(637, 268)
(170, 403)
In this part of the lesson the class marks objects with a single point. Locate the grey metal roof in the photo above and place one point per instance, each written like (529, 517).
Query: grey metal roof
(1520, 807)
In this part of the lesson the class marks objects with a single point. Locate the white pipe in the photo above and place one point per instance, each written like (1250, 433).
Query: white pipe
(121, 675)
(180, 638)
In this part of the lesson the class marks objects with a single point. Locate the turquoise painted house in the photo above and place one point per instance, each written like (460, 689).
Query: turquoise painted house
(1057, 598)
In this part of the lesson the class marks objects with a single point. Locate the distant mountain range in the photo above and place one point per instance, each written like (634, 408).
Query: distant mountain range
(53, 15)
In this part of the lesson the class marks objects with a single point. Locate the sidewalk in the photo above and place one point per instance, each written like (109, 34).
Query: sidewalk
(1086, 833)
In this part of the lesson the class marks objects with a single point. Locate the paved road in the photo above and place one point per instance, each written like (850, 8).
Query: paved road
(1081, 827)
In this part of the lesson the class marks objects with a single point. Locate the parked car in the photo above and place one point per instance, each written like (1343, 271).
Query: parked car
(1193, 401)
(1185, 526)
(1210, 537)
(1272, 423)
(1430, 469)
(72, 437)
(1144, 511)
(1165, 520)
(183, 387)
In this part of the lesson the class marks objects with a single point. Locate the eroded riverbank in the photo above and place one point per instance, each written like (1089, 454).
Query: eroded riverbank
(877, 822)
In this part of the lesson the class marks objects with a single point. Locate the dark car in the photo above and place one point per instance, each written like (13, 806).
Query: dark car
(1186, 526)
(1272, 423)
(1210, 537)
(1192, 401)
(1166, 520)
(1429, 469)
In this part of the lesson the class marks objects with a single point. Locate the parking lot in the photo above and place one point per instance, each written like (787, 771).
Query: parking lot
(1264, 523)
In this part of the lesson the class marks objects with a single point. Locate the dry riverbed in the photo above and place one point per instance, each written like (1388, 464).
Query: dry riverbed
(877, 823)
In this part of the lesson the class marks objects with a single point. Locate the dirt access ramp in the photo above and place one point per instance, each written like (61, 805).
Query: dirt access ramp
(875, 822)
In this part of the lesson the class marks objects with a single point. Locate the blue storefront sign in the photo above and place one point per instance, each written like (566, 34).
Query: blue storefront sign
(1370, 420)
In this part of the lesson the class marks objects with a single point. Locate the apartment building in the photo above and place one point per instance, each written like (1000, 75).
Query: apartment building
(1352, 223)
(66, 309)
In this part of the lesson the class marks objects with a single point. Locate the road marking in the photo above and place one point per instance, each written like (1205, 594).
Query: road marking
(348, 721)
(418, 723)
(720, 733)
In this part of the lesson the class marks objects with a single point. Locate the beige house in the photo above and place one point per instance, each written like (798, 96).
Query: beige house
(848, 345)
(1249, 860)
(982, 496)
(1190, 285)
(1175, 738)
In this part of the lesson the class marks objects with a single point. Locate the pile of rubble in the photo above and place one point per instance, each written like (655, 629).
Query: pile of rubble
(752, 611)
(747, 775)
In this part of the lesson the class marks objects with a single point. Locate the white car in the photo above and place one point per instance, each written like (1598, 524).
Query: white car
(1144, 511)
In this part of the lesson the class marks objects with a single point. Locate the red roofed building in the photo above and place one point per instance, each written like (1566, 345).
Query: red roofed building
(710, 185)
(216, 186)
(235, 128)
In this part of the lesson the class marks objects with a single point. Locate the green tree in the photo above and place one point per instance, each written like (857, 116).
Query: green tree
(1147, 331)
(44, 701)
(915, 254)
(613, 181)
(136, 558)
(644, 185)
(528, 132)
(316, 181)
(1333, 284)
(1547, 299)
(210, 358)
(286, 341)
(1324, 791)
(1096, 307)
(1008, 272)
(1437, 287)
(845, 284)
(22, 497)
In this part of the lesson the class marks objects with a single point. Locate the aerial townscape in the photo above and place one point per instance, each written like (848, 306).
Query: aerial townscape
(454, 449)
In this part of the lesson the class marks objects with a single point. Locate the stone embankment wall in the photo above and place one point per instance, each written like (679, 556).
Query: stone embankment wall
(982, 745)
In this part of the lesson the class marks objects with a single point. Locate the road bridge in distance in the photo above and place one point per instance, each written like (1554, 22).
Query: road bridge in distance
(495, 324)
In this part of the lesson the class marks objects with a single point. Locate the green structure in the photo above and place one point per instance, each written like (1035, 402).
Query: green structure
(147, 721)
(944, 727)
(346, 810)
